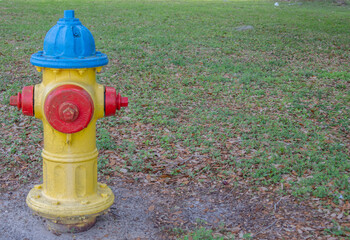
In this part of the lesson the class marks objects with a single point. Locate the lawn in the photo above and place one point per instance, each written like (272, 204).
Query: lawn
(268, 107)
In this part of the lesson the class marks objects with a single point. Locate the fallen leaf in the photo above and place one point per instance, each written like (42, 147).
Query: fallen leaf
(235, 229)
(165, 176)
(112, 162)
(123, 170)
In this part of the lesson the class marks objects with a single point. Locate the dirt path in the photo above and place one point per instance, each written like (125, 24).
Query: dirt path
(159, 211)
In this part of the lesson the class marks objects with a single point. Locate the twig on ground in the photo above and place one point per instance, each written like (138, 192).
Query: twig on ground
(275, 206)
(264, 229)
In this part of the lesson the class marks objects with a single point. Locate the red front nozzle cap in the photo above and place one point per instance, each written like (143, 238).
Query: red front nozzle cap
(69, 108)
(113, 101)
(24, 100)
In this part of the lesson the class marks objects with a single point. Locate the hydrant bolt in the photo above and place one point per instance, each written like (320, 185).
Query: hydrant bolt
(68, 112)
(16, 101)
(124, 102)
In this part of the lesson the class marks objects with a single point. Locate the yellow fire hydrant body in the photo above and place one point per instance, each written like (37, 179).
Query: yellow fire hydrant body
(69, 101)
(70, 192)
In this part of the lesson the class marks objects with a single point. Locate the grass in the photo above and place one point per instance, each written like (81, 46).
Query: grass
(269, 106)
(338, 230)
(202, 233)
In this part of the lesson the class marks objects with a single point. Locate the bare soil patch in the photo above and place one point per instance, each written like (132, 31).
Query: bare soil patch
(143, 211)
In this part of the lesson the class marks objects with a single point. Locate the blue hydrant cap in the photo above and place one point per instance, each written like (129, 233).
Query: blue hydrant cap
(69, 44)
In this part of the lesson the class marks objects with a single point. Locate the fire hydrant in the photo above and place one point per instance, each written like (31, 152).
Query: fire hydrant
(69, 101)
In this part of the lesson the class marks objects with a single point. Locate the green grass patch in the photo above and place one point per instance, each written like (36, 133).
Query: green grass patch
(269, 105)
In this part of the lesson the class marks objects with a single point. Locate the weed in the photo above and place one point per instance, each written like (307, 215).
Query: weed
(202, 234)
(337, 230)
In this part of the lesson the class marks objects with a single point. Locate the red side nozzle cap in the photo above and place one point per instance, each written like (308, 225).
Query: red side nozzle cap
(24, 100)
(113, 101)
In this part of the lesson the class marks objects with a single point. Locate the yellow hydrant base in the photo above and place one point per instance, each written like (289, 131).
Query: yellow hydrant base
(64, 210)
